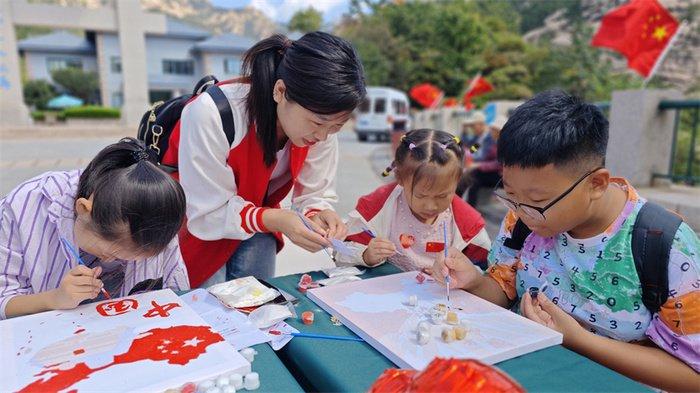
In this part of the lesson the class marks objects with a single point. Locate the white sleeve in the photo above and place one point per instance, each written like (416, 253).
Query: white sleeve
(213, 206)
(315, 185)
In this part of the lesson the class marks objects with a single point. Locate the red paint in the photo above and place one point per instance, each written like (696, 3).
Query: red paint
(406, 240)
(160, 311)
(275, 332)
(116, 307)
(307, 317)
(420, 278)
(78, 351)
(188, 388)
(175, 345)
(79, 331)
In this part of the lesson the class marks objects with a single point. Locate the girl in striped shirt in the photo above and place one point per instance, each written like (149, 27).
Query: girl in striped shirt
(121, 214)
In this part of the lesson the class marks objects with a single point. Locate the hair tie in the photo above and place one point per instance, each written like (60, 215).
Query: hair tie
(442, 145)
(411, 146)
(456, 139)
(140, 155)
(389, 169)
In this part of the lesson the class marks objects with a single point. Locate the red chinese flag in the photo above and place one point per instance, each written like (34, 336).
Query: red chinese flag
(639, 30)
(477, 87)
(450, 102)
(425, 94)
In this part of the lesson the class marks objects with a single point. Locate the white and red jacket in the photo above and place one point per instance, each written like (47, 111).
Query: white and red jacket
(229, 187)
(376, 211)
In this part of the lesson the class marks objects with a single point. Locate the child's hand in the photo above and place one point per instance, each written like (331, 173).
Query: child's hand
(79, 284)
(546, 313)
(378, 250)
(331, 222)
(463, 274)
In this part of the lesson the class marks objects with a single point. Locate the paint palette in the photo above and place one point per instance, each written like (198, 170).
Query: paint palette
(148, 342)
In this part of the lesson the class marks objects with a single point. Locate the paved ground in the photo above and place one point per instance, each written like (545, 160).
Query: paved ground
(23, 156)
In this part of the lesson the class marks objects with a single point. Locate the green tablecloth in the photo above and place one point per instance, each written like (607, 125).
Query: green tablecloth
(274, 376)
(325, 365)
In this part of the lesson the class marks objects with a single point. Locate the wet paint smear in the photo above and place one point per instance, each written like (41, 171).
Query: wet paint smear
(174, 345)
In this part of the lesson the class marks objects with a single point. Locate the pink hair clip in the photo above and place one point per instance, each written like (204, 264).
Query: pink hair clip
(411, 146)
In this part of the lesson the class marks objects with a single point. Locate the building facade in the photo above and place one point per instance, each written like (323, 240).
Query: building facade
(175, 58)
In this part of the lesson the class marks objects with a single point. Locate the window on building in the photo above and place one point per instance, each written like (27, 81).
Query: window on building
(115, 64)
(232, 66)
(380, 105)
(59, 63)
(178, 67)
(117, 99)
(399, 107)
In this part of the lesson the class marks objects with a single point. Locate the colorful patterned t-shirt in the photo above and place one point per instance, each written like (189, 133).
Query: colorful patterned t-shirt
(595, 281)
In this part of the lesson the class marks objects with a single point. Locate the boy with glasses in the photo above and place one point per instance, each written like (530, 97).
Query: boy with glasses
(574, 269)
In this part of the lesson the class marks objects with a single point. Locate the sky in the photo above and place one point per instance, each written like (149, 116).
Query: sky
(282, 10)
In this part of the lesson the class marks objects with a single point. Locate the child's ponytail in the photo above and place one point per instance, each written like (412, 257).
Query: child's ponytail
(128, 188)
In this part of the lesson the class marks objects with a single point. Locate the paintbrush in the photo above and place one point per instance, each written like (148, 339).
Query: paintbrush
(312, 335)
(306, 224)
(81, 262)
(447, 276)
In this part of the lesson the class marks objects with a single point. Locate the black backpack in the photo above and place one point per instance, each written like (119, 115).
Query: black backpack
(158, 122)
(652, 237)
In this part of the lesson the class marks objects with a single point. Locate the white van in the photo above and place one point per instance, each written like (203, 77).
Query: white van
(377, 113)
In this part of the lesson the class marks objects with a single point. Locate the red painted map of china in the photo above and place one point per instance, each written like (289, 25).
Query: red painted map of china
(175, 345)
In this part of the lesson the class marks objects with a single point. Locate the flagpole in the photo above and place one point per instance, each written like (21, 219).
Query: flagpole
(471, 85)
(667, 49)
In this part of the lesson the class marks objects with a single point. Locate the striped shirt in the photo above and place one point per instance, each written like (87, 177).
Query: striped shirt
(33, 219)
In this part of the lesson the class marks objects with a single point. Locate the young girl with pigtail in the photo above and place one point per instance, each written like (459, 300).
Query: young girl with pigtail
(402, 222)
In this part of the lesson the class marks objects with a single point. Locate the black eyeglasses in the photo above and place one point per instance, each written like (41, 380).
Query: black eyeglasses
(537, 213)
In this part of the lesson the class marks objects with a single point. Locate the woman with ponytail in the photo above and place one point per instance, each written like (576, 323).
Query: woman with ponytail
(293, 98)
(75, 236)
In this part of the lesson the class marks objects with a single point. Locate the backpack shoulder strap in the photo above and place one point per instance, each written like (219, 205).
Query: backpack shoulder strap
(518, 235)
(652, 238)
(225, 111)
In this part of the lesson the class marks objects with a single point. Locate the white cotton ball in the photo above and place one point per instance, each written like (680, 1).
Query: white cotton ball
(222, 381)
(248, 354)
(236, 380)
(422, 337)
(228, 389)
(251, 381)
(205, 385)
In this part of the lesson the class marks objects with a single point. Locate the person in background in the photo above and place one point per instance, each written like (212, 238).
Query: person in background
(485, 170)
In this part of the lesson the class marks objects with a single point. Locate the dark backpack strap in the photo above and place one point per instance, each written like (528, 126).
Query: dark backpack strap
(652, 238)
(518, 235)
(225, 111)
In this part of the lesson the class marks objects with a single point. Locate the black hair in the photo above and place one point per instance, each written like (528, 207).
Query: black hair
(419, 148)
(321, 72)
(557, 128)
(128, 188)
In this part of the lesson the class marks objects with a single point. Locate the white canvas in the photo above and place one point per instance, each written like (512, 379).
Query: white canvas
(377, 310)
(143, 343)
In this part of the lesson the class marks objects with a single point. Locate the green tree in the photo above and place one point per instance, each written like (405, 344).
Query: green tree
(79, 83)
(306, 20)
(37, 93)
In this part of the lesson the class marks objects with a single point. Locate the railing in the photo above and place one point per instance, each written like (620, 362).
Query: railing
(684, 164)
